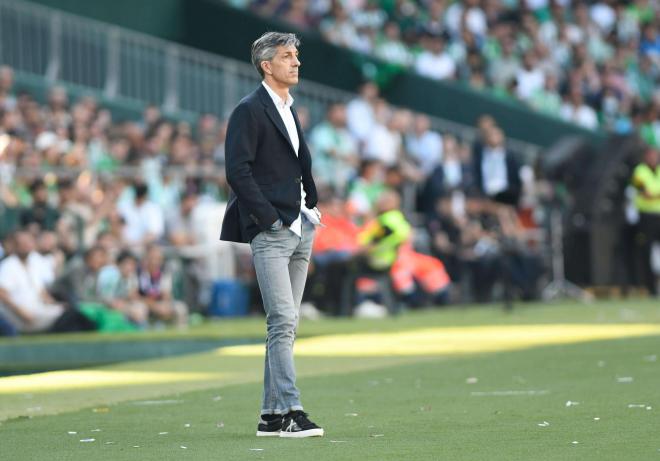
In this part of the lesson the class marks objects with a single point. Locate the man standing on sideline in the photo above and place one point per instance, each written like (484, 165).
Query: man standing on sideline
(268, 167)
(646, 179)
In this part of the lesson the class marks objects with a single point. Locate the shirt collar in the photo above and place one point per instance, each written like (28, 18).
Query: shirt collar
(494, 151)
(276, 98)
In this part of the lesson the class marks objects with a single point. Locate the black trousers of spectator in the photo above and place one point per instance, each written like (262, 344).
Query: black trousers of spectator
(485, 272)
(6, 328)
(649, 232)
(325, 283)
(72, 320)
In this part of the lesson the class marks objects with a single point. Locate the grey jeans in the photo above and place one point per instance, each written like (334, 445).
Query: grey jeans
(281, 259)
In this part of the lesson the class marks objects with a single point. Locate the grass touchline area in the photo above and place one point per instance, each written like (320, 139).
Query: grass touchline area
(545, 382)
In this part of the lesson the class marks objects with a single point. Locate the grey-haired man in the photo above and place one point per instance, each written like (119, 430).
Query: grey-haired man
(268, 167)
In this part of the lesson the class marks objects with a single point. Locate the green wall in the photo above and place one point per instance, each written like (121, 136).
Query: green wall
(160, 18)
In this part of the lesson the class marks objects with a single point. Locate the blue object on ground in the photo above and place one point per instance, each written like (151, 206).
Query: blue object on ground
(229, 298)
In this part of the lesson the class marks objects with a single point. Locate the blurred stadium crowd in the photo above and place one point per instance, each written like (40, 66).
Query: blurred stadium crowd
(114, 225)
(596, 64)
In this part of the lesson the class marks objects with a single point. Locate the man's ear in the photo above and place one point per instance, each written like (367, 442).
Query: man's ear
(265, 66)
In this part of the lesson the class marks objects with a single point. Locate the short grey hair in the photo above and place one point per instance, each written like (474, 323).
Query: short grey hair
(265, 47)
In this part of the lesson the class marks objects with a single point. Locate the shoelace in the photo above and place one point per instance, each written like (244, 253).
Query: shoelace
(301, 420)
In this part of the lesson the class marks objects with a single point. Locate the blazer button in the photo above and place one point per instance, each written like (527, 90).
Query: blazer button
(298, 180)
(297, 202)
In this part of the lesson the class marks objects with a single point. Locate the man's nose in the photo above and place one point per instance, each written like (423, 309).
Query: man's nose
(296, 61)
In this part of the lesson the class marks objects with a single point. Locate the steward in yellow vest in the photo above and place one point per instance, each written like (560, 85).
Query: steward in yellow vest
(382, 237)
(646, 180)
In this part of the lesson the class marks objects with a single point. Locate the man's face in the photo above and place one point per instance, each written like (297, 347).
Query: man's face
(96, 260)
(41, 195)
(24, 245)
(128, 267)
(283, 68)
(651, 156)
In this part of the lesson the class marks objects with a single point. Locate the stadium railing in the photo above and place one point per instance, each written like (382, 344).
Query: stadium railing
(119, 63)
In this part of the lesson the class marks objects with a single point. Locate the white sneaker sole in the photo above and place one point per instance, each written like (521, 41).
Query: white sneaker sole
(301, 434)
(268, 434)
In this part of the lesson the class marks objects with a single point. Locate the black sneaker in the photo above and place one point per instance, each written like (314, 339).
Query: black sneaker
(296, 424)
(269, 426)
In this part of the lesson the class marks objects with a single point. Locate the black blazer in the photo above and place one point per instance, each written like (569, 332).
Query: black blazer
(510, 196)
(263, 170)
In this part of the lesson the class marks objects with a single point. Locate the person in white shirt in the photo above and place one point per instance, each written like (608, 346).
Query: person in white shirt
(269, 168)
(386, 139)
(497, 173)
(530, 77)
(360, 115)
(574, 110)
(144, 219)
(24, 301)
(424, 144)
(435, 62)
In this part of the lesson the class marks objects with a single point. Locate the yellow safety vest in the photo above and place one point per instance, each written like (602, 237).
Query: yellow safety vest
(646, 179)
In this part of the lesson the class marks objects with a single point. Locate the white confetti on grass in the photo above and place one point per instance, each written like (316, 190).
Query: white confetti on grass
(472, 380)
(636, 405)
(110, 443)
(544, 424)
(220, 425)
(650, 358)
(95, 430)
(338, 441)
(596, 419)
(350, 414)
(377, 435)
(88, 440)
(187, 425)
(571, 403)
(157, 402)
(217, 398)
(163, 433)
(575, 442)
(508, 393)
(256, 449)
(625, 379)
(72, 432)
(184, 447)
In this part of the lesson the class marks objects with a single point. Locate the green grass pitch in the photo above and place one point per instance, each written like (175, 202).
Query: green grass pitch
(546, 382)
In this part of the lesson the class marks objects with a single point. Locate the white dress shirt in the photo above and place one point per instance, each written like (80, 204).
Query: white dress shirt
(493, 170)
(24, 282)
(284, 109)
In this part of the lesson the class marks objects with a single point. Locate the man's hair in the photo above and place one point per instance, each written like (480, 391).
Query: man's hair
(124, 255)
(265, 47)
(36, 185)
(141, 190)
(90, 251)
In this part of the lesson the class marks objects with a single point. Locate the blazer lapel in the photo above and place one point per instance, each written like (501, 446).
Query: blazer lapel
(277, 120)
(274, 115)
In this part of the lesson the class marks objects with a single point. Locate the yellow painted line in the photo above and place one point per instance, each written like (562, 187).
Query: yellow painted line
(88, 379)
(452, 340)
(423, 342)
